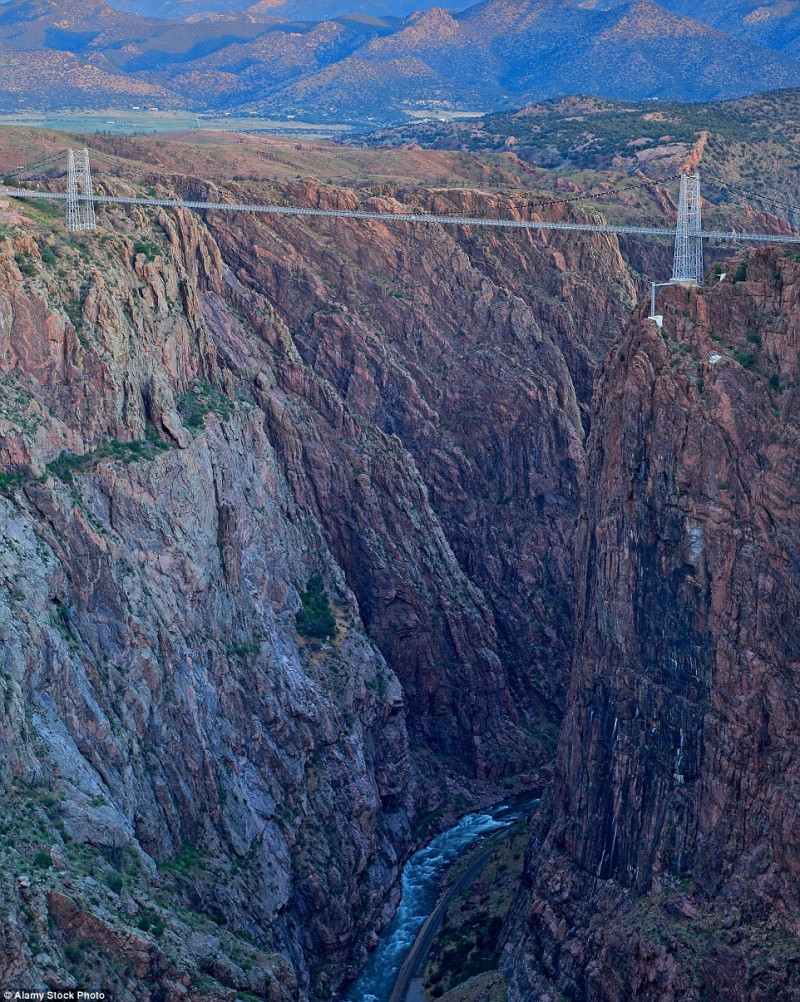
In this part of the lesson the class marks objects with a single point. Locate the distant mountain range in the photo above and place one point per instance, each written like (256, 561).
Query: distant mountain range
(303, 10)
(367, 69)
(774, 23)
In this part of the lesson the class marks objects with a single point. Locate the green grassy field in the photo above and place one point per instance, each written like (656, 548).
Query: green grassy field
(129, 121)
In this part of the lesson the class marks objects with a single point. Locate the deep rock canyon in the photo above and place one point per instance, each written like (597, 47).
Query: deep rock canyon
(527, 505)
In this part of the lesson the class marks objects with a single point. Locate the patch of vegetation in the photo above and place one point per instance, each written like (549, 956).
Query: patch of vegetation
(42, 860)
(774, 383)
(45, 207)
(48, 257)
(741, 273)
(74, 954)
(199, 400)
(754, 338)
(113, 880)
(68, 463)
(9, 482)
(25, 264)
(129, 452)
(189, 860)
(316, 618)
(149, 248)
(744, 358)
(74, 310)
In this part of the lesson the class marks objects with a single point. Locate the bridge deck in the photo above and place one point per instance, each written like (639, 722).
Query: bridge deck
(406, 217)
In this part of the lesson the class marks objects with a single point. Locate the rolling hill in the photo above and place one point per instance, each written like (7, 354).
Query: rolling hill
(750, 145)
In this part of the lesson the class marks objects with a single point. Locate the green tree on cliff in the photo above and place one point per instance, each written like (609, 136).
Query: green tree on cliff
(315, 618)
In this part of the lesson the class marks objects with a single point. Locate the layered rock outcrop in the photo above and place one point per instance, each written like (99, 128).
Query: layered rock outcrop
(665, 864)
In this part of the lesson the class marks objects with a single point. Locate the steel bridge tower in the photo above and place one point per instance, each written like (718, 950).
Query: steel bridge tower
(80, 203)
(688, 262)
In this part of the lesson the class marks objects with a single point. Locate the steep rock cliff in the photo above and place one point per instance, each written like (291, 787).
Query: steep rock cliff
(191, 791)
(476, 351)
(665, 864)
(199, 415)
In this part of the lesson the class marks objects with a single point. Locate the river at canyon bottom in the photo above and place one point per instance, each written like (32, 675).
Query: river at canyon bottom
(420, 891)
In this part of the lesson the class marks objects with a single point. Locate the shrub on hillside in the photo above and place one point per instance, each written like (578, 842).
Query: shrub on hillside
(315, 618)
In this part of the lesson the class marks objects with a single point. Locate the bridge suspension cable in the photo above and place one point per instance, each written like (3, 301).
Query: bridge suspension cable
(586, 196)
(302, 210)
(37, 166)
(688, 267)
(406, 217)
(779, 202)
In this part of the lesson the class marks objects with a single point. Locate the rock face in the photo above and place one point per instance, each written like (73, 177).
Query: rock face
(665, 865)
(196, 417)
(476, 353)
(167, 737)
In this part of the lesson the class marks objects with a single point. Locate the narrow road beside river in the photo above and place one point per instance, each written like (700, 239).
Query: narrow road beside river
(420, 899)
(404, 987)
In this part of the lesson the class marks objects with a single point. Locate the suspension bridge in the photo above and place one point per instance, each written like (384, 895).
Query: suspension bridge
(80, 200)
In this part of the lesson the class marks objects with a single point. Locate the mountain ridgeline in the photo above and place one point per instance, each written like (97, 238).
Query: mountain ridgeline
(382, 68)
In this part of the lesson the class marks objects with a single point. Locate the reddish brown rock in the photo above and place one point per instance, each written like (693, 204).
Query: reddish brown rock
(466, 347)
(665, 865)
